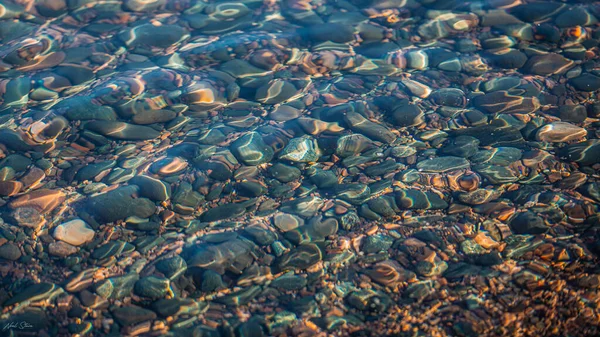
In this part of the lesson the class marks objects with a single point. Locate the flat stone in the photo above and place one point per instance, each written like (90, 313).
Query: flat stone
(560, 132)
(75, 232)
(61, 249)
(130, 315)
(443, 164)
(43, 200)
(252, 150)
(119, 204)
(10, 251)
(303, 150)
(122, 131)
(547, 64)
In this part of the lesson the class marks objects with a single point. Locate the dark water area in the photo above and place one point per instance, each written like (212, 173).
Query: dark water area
(299, 168)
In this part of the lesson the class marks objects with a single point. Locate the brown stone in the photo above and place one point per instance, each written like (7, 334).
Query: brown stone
(61, 249)
(43, 200)
(558, 132)
(10, 188)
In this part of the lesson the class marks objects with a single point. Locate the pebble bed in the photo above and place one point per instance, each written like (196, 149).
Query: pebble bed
(299, 168)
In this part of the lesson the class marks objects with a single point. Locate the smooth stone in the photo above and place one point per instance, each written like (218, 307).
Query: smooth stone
(119, 204)
(547, 64)
(34, 292)
(496, 174)
(10, 251)
(528, 223)
(505, 102)
(211, 281)
(584, 153)
(122, 131)
(82, 108)
(502, 156)
(506, 58)
(369, 301)
(43, 200)
(284, 173)
(301, 257)
(61, 249)
(461, 146)
(558, 132)
(172, 267)
(586, 82)
(162, 36)
(449, 97)
(287, 222)
(92, 170)
(153, 287)
(131, 315)
(376, 243)
(152, 188)
(250, 189)
(175, 307)
(415, 199)
(443, 164)
(75, 232)
(576, 16)
(372, 130)
(10, 188)
(355, 194)
(349, 145)
(304, 150)
(289, 282)
(493, 135)
(153, 116)
(252, 150)
(572, 113)
(406, 114)
(536, 11)
(226, 211)
(306, 207)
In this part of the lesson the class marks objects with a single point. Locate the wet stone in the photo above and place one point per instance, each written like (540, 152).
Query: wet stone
(306, 207)
(586, 82)
(251, 149)
(156, 36)
(369, 300)
(177, 306)
(528, 223)
(172, 267)
(9, 251)
(415, 199)
(461, 146)
(376, 243)
(301, 257)
(122, 131)
(119, 204)
(505, 102)
(585, 153)
(501, 156)
(355, 194)
(152, 287)
(284, 173)
(572, 113)
(560, 132)
(289, 282)
(151, 188)
(302, 150)
(443, 164)
(547, 64)
(61, 249)
(75, 232)
(131, 315)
